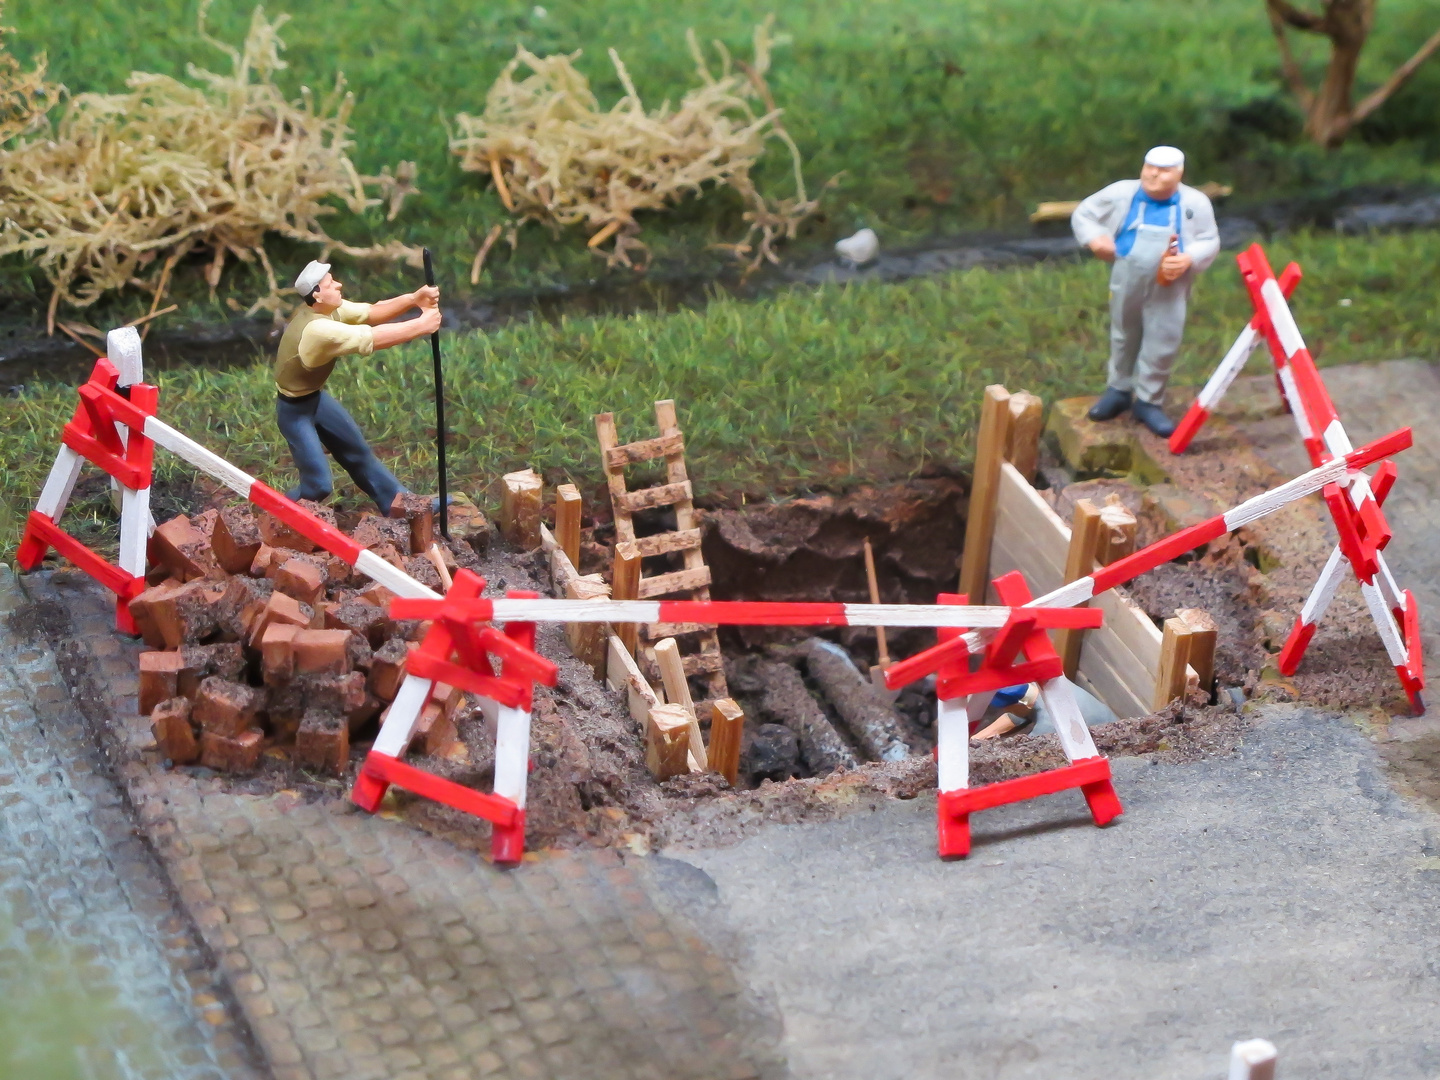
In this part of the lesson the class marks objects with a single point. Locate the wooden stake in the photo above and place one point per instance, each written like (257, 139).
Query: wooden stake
(1174, 658)
(588, 640)
(667, 741)
(1118, 539)
(874, 584)
(1203, 634)
(1023, 443)
(625, 585)
(727, 722)
(980, 521)
(437, 560)
(520, 508)
(1086, 532)
(677, 692)
(568, 506)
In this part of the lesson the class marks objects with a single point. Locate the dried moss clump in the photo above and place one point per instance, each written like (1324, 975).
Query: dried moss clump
(557, 158)
(128, 184)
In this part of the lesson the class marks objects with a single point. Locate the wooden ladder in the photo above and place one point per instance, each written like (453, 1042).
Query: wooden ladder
(705, 662)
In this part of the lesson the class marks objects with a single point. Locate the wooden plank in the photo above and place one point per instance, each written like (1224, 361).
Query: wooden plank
(678, 581)
(667, 741)
(625, 585)
(1203, 635)
(727, 723)
(1107, 664)
(623, 674)
(1022, 446)
(614, 478)
(980, 519)
(1118, 539)
(588, 640)
(677, 690)
(1131, 627)
(1174, 655)
(665, 543)
(1085, 527)
(521, 497)
(646, 498)
(567, 521)
(633, 453)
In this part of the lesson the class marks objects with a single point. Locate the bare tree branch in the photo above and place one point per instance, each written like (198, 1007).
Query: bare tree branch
(1288, 67)
(1398, 78)
(1293, 16)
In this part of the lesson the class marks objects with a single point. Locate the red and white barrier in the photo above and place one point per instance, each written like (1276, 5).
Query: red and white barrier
(1231, 366)
(1354, 505)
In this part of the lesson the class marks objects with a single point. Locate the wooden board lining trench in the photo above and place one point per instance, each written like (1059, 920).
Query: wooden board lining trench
(1119, 661)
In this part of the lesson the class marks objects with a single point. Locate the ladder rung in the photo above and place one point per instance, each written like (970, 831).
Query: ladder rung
(617, 457)
(665, 495)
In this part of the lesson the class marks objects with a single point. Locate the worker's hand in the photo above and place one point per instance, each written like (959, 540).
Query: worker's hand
(1104, 247)
(427, 296)
(1172, 267)
(429, 321)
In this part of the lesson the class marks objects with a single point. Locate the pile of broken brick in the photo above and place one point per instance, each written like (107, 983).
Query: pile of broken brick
(260, 643)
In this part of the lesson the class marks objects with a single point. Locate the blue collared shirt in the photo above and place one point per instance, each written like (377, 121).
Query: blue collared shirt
(1147, 211)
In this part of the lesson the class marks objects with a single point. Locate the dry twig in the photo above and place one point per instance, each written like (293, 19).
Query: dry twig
(128, 184)
(556, 157)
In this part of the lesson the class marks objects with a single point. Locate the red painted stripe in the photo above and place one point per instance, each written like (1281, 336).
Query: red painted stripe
(1295, 646)
(1077, 774)
(494, 808)
(123, 585)
(451, 606)
(1162, 551)
(752, 613)
(989, 678)
(504, 691)
(305, 523)
(1383, 447)
(1414, 649)
(924, 663)
(1383, 480)
(1186, 430)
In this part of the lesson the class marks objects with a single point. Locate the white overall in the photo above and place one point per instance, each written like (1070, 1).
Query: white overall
(1147, 319)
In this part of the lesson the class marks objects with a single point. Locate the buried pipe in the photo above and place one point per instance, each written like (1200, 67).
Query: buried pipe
(871, 719)
(786, 698)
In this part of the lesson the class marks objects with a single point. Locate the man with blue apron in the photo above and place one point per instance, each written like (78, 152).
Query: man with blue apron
(1159, 234)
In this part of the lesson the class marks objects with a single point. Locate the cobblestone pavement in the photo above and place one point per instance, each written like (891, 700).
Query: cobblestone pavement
(359, 947)
(86, 912)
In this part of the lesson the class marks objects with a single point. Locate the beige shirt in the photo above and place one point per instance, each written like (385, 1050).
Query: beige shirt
(312, 342)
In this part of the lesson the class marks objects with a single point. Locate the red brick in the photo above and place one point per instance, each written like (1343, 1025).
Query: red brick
(187, 615)
(338, 694)
(340, 573)
(434, 731)
(376, 595)
(367, 711)
(159, 674)
(241, 603)
(467, 523)
(279, 608)
(364, 619)
(226, 708)
(415, 511)
(236, 540)
(322, 652)
(277, 534)
(182, 548)
(260, 566)
(142, 610)
(373, 531)
(301, 579)
(323, 742)
(231, 753)
(170, 724)
(448, 698)
(387, 669)
(225, 659)
(277, 652)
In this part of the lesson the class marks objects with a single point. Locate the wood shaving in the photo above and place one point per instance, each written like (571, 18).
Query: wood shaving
(126, 185)
(557, 158)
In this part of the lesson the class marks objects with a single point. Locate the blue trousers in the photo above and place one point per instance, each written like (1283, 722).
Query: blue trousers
(316, 423)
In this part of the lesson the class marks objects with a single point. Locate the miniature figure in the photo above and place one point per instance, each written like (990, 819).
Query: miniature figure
(1159, 233)
(326, 328)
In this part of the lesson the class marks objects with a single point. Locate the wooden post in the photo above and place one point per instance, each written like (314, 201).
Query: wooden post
(1085, 535)
(520, 508)
(980, 520)
(1022, 445)
(1118, 538)
(588, 641)
(625, 585)
(1203, 634)
(567, 522)
(677, 692)
(667, 741)
(727, 722)
(1174, 659)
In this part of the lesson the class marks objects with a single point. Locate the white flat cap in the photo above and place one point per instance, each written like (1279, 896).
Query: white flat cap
(315, 272)
(1165, 157)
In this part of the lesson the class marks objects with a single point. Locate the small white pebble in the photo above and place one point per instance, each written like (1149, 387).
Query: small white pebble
(1346, 302)
(539, 12)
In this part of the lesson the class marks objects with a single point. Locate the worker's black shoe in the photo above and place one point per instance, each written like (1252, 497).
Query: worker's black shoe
(1111, 404)
(1153, 417)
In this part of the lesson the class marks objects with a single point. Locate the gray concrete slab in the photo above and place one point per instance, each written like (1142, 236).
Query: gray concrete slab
(1284, 892)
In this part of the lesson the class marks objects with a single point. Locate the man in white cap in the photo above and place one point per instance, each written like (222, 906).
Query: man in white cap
(323, 329)
(1159, 233)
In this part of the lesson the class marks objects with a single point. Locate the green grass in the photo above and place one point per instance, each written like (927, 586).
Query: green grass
(806, 389)
(943, 115)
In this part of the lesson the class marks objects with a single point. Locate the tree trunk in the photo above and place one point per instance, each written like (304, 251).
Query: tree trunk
(1331, 116)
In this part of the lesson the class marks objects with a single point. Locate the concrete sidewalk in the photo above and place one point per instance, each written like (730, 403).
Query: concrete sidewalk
(1285, 892)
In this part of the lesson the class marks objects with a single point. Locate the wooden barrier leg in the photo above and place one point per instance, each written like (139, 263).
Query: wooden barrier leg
(512, 768)
(952, 751)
